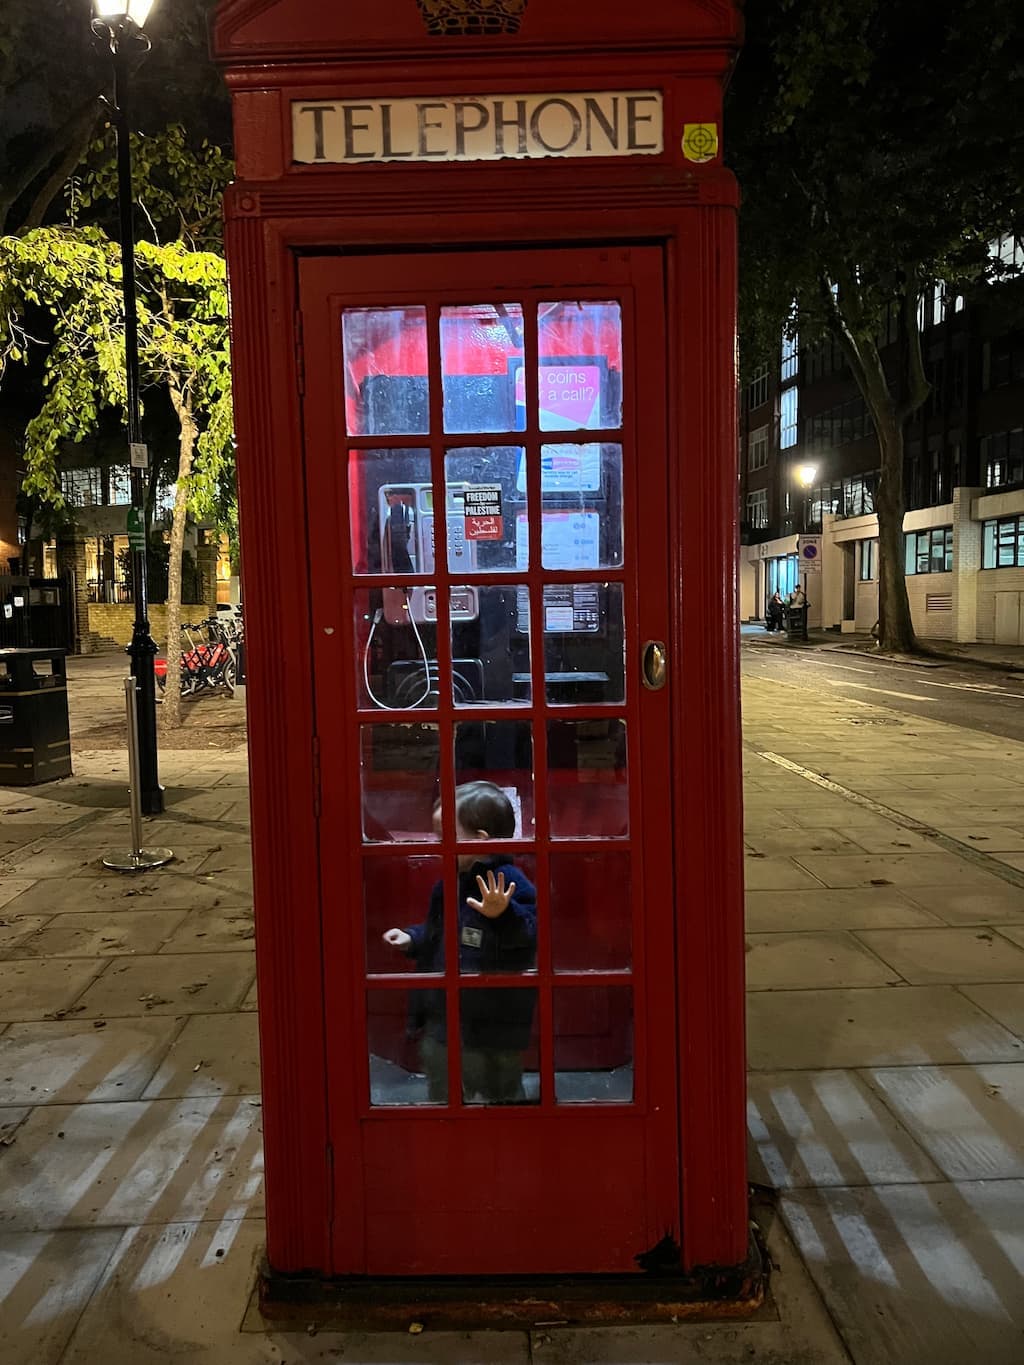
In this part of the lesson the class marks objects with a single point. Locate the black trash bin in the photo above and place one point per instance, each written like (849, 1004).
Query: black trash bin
(796, 623)
(35, 739)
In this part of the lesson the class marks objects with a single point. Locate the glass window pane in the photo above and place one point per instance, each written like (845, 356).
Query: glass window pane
(593, 1027)
(500, 1060)
(385, 352)
(499, 752)
(588, 796)
(591, 928)
(490, 653)
(399, 778)
(584, 644)
(485, 505)
(403, 1067)
(988, 553)
(582, 497)
(481, 354)
(580, 360)
(492, 939)
(390, 511)
(395, 649)
(397, 894)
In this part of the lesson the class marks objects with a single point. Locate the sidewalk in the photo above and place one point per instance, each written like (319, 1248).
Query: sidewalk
(1007, 657)
(886, 975)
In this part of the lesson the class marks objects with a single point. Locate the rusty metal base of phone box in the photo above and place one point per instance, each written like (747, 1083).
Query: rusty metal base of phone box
(455, 1303)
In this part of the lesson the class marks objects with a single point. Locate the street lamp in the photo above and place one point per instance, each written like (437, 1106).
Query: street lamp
(118, 26)
(807, 474)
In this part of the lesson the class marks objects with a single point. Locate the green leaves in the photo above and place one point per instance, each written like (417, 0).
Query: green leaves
(74, 276)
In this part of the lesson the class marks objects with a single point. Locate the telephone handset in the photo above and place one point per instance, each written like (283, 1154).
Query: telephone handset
(407, 546)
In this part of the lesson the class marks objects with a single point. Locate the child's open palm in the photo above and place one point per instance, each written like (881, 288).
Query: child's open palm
(494, 896)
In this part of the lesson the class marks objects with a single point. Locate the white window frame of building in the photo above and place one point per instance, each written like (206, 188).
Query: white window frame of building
(867, 560)
(790, 358)
(757, 389)
(789, 417)
(757, 448)
(757, 509)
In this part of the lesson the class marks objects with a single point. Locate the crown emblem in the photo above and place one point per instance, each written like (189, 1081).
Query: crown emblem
(471, 18)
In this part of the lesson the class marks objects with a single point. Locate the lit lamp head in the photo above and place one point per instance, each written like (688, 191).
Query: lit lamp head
(115, 13)
(807, 474)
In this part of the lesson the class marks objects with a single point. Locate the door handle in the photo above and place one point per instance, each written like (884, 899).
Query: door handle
(654, 668)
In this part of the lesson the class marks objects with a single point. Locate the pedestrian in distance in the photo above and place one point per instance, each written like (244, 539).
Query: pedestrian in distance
(775, 612)
(497, 932)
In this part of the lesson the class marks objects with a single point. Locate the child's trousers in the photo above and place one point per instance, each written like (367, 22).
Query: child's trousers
(489, 1075)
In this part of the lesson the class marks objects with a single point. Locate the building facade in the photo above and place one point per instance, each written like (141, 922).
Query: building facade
(809, 464)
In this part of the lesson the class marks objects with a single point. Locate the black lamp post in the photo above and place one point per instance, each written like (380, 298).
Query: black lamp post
(118, 25)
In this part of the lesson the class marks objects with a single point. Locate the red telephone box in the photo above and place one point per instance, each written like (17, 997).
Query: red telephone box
(482, 266)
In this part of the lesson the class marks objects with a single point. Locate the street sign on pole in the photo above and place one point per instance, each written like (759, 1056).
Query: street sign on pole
(808, 549)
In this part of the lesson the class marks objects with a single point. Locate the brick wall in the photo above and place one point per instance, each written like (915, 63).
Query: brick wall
(930, 625)
(115, 621)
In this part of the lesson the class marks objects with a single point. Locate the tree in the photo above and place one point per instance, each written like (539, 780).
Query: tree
(74, 276)
(877, 159)
(52, 78)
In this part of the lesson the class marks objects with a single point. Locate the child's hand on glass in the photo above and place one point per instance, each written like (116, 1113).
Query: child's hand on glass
(494, 896)
(398, 938)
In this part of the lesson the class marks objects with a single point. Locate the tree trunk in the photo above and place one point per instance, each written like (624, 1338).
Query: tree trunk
(860, 345)
(895, 623)
(171, 710)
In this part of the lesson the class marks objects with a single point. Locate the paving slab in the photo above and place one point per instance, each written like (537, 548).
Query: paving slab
(918, 1274)
(776, 874)
(84, 934)
(862, 908)
(969, 1119)
(179, 1292)
(989, 838)
(927, 956)
(46, 1280)
(1004, 1003)
(72, 1062)
(774, 841)
(206, 931)
(133, 1162)
(969, 905)
(817, 1128)
(15, 929)
(10, 887)
(1014, 932)
(162, 890)
(34, 988)
(214, 1054)
(186, 983)
(784, 961)
(911, 869)
(881, 1026)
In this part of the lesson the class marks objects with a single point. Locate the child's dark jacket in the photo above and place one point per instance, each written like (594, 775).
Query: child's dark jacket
(498, 1019)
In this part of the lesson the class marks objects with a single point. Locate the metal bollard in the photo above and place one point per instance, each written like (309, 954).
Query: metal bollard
(139, 859)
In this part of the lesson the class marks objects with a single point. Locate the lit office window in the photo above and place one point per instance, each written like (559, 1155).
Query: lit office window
(1002, 543)
(868, 555)
(929, 551)
(758, 448)
(757, 509)
(790, 357)
(789, 416)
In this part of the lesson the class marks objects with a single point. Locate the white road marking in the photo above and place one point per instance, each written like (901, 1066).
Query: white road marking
(883, 691)
(990, 689)
(845, 667)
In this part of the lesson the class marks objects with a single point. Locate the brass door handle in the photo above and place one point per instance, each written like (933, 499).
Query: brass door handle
(654, 668)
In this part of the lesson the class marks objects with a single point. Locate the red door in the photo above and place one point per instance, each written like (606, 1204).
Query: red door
(487, 485)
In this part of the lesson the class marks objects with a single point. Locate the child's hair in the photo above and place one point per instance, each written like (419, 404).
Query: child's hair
(482, 805)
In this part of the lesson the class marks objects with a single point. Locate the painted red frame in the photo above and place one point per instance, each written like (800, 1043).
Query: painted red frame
(277, 212)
